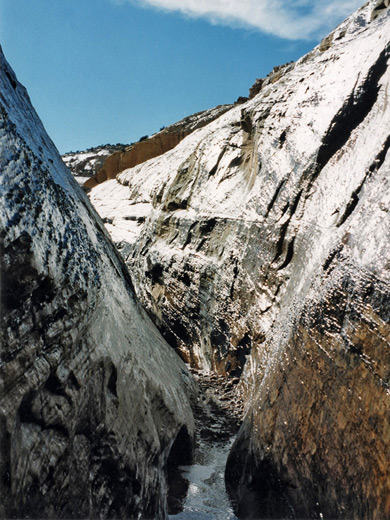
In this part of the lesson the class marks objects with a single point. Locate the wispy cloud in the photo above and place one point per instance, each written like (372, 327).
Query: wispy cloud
(294, 19)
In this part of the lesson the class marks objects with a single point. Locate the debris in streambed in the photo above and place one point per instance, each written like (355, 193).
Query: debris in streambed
(198, 491)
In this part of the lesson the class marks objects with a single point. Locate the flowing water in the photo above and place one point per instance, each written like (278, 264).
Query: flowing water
(197, 492)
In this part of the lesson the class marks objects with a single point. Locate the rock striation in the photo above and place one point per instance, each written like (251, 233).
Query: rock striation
(259, 245)
(149, 147)
(94, 405)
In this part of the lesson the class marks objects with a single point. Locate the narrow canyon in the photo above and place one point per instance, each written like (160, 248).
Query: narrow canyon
(220, 285)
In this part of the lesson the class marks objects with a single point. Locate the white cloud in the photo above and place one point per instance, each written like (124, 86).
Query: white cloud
(291, 19)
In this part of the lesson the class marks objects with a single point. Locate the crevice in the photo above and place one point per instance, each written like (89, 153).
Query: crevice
(179, 329)
(353, 112)
(182, 449)
(332, 255)
(176, 204)
(187, 240)
(380, 157)
(185, 278)
(349, 117)
(156, 274)
(275, 196)
(379, 8)
(208, 226)
(235, 276)
(244, 348)
(289, 255)
(236, 161)
(283, 211)
(132, 218)
(215, 167)
(112, 382)
(200, 244)
(279, 245)
(295, 203)
(282, 138)
(28, 415)
(54, 386)
(351, 205)
(262, 491)
(374, 167)
(11, 79)
(189, 236)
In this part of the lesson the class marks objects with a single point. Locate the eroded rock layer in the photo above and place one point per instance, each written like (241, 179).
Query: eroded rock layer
(149, 147)
(260, 248)
(93, 403)
(86, 164)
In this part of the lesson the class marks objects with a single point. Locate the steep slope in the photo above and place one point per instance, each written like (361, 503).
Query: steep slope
(149, 147)
(260, 248)
(94, 405)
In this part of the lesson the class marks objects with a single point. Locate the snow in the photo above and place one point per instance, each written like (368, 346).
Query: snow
(222, 171)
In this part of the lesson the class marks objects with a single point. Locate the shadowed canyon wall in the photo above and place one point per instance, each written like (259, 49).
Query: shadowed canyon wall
(93, 402)
(259, 245)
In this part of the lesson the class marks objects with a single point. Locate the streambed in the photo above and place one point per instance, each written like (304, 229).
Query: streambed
(198, 492)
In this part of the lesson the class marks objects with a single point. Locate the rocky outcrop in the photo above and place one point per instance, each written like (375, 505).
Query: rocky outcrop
(260, 247)
(379, 7)
(148, 147)
(87, 163)
(94, 405)
(275, 75)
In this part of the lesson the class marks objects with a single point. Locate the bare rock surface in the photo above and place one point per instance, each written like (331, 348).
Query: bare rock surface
(94, 405)
(259, 245)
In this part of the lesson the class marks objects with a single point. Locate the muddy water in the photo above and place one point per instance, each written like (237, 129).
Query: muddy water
(197, 492)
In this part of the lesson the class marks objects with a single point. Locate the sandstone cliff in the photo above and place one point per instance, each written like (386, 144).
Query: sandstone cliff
(153, 146)
(94, 405)
(259, 245)
(85, 164)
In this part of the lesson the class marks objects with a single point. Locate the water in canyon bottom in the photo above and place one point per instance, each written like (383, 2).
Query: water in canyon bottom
(197, 492)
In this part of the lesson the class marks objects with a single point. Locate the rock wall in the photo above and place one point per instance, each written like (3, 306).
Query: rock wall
(259, 246)
(153, 146)
(94, 405)
(88, 162)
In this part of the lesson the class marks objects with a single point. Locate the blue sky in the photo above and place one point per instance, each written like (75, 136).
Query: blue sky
(108, 71)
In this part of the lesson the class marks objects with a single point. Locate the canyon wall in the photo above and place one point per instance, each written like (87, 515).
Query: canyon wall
(149, 147)
(94, 405)
(85, 164)
(259, 245)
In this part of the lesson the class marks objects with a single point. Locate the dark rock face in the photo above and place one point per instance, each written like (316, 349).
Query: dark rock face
(320, 417)
(260, 247)
(92, 400)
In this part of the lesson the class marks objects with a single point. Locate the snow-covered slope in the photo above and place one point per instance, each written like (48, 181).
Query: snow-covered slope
(92, 400)
(155, 145)
(260, 247)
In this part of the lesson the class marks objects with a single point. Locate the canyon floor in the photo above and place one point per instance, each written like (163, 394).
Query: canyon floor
(198, 491)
